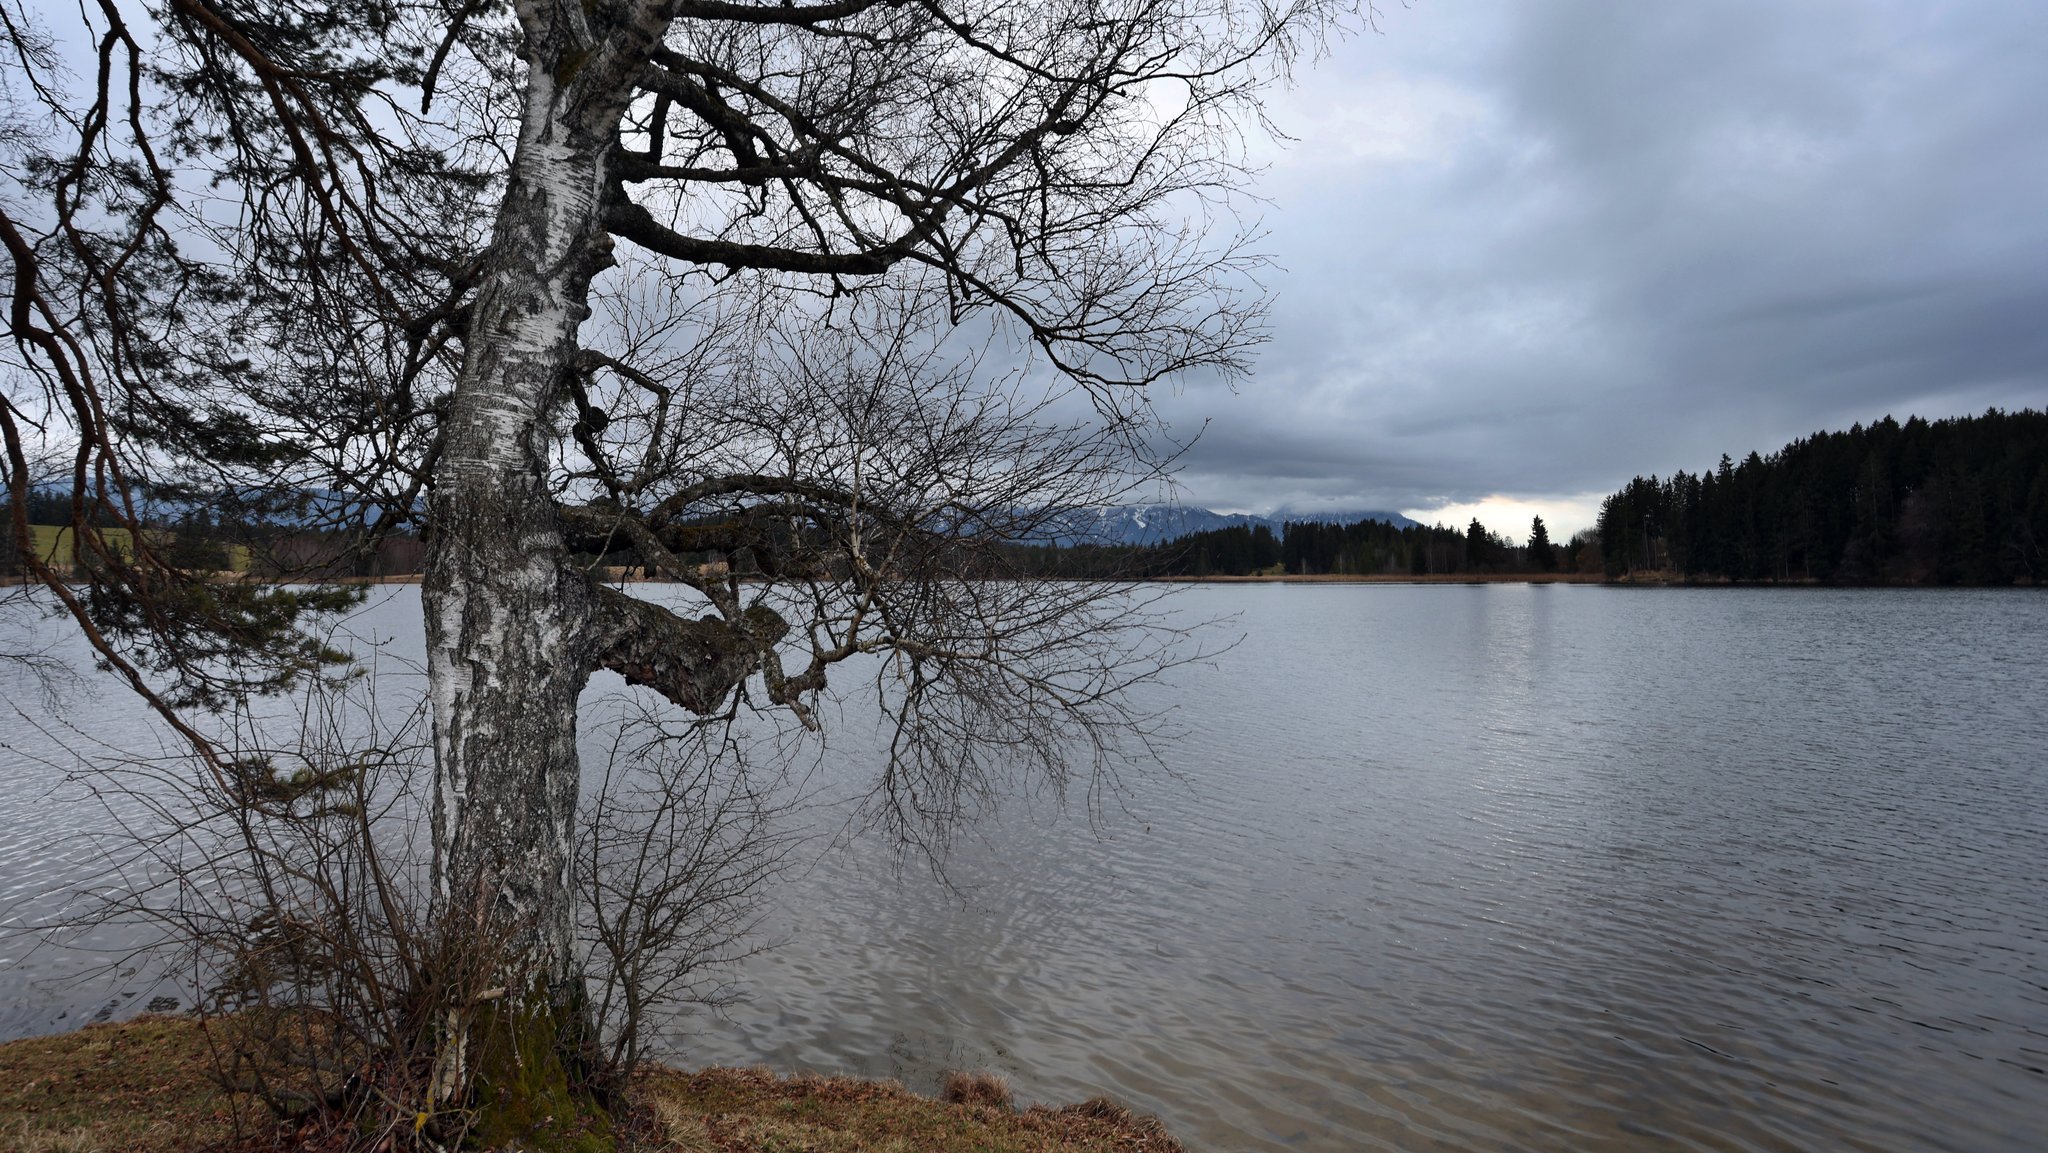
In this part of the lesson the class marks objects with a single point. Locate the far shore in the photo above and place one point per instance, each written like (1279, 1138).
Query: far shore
(1655, 578)
(1274, 578)
(1465, 578)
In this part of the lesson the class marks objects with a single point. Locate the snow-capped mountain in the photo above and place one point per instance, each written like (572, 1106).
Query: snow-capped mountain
(1155, 523)
(1145, 524)
(1284, 513)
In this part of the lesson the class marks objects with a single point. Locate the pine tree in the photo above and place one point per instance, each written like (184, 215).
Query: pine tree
(1478, 547)
(1541, 555)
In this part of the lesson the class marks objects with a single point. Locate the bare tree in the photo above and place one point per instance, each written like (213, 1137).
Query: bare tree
(678, 843)
(895, 271)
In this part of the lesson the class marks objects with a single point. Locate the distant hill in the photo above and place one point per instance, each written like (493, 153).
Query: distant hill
(1285, 514)
(1158, 523)
(1143, 524)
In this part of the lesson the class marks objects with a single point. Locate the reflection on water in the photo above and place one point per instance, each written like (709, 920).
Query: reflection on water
(1476, 868)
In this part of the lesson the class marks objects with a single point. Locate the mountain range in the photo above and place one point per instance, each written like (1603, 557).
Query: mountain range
(1155, 523)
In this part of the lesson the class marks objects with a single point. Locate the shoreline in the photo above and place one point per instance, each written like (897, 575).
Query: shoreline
(146, 1085)
(1633, 579)
(1386, 579)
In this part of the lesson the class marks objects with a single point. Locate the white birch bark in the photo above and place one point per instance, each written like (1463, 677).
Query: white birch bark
(505, 619)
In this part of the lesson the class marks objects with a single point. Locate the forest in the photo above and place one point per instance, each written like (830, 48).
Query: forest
(1953, 501)
(1312, 548)
(1956, 501)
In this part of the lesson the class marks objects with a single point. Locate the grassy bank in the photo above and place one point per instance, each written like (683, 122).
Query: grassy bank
(146, 1086)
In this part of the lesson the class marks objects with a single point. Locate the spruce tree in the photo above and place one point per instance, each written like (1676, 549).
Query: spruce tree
(1541, 555)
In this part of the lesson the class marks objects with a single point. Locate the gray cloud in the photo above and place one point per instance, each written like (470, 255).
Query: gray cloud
(1535, 248)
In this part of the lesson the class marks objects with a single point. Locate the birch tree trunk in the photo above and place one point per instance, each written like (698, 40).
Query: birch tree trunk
(506, 619)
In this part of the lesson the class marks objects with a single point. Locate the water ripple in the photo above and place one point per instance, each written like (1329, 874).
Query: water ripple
(1533, 868)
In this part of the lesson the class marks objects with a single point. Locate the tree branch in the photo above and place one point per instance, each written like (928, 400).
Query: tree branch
(693, 663)
(630, 221)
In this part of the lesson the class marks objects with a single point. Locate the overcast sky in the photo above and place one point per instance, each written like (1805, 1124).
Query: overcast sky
(1532, 248)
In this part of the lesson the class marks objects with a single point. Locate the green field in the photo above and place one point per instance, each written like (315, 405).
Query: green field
(52, 543)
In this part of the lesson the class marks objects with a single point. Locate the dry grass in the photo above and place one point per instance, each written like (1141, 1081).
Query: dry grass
(146, 1086)
(975, 1089)
(754, 1111)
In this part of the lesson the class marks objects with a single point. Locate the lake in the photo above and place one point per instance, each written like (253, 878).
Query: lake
(1444, 867)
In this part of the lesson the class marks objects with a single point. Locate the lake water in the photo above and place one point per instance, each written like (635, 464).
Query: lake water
(1453, 867)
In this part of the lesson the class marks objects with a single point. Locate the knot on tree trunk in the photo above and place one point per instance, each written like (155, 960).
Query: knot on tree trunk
(694, 663)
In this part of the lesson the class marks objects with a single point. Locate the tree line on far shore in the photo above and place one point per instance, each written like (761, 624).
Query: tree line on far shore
(1960, 501)
(211, 534)
(1313, 548)
(203, 537)
(1956, 501)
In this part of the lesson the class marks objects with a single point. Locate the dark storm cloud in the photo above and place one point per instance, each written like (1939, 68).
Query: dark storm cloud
(1533, 249)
